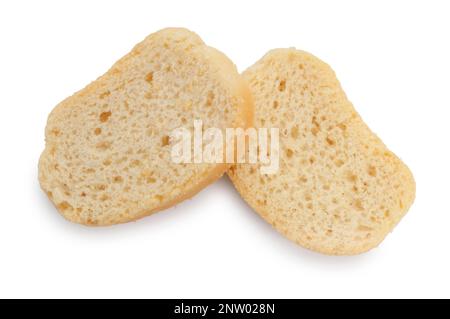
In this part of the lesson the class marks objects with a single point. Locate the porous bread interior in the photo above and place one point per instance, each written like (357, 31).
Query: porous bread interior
(107, 156)
(339, 190)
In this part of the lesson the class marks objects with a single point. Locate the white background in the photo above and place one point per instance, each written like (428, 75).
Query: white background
(393, 60)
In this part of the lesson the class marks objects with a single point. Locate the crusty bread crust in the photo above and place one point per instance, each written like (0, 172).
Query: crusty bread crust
(98, 170)
(339, 190)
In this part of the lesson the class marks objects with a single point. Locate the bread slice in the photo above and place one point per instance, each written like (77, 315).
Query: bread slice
(108, 152)
(338, 190)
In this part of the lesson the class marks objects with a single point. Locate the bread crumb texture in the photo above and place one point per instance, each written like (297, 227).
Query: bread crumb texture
(339, 190)
(107, 156)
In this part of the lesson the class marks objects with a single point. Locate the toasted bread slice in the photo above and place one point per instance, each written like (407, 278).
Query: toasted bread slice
(108, 152)
(338, 190)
